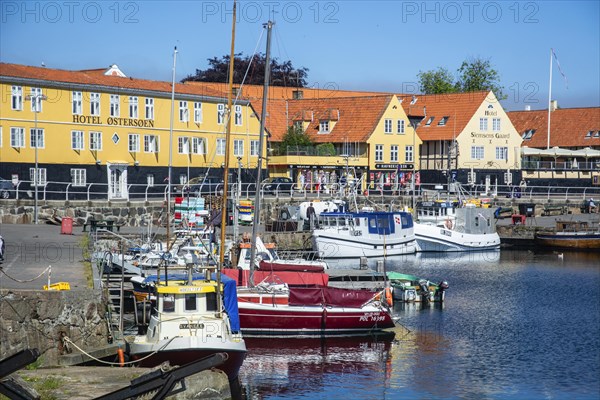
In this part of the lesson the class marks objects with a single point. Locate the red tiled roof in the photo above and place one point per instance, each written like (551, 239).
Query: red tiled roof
(92, 77)
(568, 127)
(458, 107)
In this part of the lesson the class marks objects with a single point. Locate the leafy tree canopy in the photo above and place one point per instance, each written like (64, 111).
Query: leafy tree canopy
(282, 73)
(473, 75)
(294, 137)
(436, 81)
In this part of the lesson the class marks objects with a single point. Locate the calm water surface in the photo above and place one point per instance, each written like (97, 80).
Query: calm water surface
(515, 325)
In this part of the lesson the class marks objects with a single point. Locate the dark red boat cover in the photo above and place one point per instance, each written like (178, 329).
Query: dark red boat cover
(292, 278)
(275, 266)
(329, 296)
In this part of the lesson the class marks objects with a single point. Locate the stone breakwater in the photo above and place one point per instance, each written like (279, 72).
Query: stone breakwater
(39, 319)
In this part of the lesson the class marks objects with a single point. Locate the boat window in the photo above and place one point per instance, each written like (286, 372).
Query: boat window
(168, 303)
(356, 221)
(372, 223)
(190, 302)
(211, 302)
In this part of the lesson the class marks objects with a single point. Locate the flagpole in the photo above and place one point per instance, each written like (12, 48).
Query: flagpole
(549, 98)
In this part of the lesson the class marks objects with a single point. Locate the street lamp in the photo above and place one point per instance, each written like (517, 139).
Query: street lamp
(36, 102)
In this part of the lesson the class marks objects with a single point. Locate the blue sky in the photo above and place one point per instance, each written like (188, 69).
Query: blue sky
(352, 45)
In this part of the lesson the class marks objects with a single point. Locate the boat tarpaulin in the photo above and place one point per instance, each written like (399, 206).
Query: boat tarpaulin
(292, 278)
(230, 301)
(329, 296)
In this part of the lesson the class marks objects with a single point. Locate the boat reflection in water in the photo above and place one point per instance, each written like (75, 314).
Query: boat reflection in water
(293, 367)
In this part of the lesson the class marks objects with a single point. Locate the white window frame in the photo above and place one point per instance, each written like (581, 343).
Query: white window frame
(387, 126)
(394, 153)
(133, 107)
(198, 145)
(324, 126)
(94, 104)
(254, 145)
(150, 180)
(115, 105)
(95, 141)
(198, 112)
(238, 147)
(133, 142)
(16, 102)
(238, 120)
(220, 114)
(379, 152)
(483, 124)
(477, 152)
(496, 124)
(17, 137)
(183, 111)
(151, 144)
(502, 153)
(221, 147)
(78, 177)
(77, 140)
(149, 108)
(41, 177)
(38, 138)
(36, 99)
(409, 153)
(401, 126)
(77, 103)
(183, 145)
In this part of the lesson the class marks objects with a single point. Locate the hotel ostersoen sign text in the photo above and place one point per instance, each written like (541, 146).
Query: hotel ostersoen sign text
(96, 120)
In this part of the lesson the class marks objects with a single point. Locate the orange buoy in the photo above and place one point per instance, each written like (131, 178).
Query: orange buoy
(388, 296)
(121, 355)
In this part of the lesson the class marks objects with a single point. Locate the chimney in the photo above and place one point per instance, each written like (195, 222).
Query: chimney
(553, 105)
(527, 107)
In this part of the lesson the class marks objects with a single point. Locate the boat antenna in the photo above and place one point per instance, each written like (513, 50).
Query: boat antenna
(263, 116)
(226, 165)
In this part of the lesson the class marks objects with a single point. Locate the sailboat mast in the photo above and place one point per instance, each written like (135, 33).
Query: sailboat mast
(171, 149)
(549, 100)
(263, 116)
(226, 165)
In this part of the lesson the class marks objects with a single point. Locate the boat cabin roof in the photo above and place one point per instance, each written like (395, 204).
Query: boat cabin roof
(184, 288)
(367, 214)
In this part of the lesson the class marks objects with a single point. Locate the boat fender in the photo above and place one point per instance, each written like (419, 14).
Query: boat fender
(285, 214)
(411, 295)
(121, 355)
(388, 296)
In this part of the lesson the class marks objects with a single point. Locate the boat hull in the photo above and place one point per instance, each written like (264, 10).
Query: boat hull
(431, 238)
(262, 320)
(334, 245)
(570, 241)
(183, 350)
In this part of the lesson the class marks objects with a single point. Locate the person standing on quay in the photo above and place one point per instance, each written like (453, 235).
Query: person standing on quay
(311, 215)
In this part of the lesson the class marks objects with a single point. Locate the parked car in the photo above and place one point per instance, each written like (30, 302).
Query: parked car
(278, 184)
(6, 187)
(200, 185)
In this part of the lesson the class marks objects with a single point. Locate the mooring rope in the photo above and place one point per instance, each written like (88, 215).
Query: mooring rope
(26, 280)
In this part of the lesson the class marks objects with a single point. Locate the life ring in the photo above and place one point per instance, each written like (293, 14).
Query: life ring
(448, 224)
(285, 214)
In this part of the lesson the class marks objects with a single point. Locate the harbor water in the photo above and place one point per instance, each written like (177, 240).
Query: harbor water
(515, 325)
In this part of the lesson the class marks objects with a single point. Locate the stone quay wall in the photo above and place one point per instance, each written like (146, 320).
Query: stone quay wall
(39, 319)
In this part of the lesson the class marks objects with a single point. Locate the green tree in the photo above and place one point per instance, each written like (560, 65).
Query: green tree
(436, 81)
(282, 73)
(478, 74)
(294, 137)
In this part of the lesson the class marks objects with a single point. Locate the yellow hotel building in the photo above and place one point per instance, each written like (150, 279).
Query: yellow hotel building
(100, 131)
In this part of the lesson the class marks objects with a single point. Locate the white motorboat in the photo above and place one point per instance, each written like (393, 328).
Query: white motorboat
(364, 234)
(444, 226)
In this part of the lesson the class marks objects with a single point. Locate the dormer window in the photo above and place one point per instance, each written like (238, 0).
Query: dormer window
(324, 126)
(298, 126)
(597, 134)
(443, 121)
(589, 134)
(429, 121)
(528, 134)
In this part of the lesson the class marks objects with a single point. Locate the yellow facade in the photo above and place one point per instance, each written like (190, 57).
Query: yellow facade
(58, 120)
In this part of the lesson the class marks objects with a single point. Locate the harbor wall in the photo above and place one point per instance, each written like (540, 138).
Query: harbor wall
(39, 319)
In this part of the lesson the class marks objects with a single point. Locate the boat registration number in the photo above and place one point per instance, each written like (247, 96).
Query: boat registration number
(191, 326)
(372, 317)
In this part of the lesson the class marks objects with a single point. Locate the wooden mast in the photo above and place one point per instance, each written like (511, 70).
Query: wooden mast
(226, 165)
